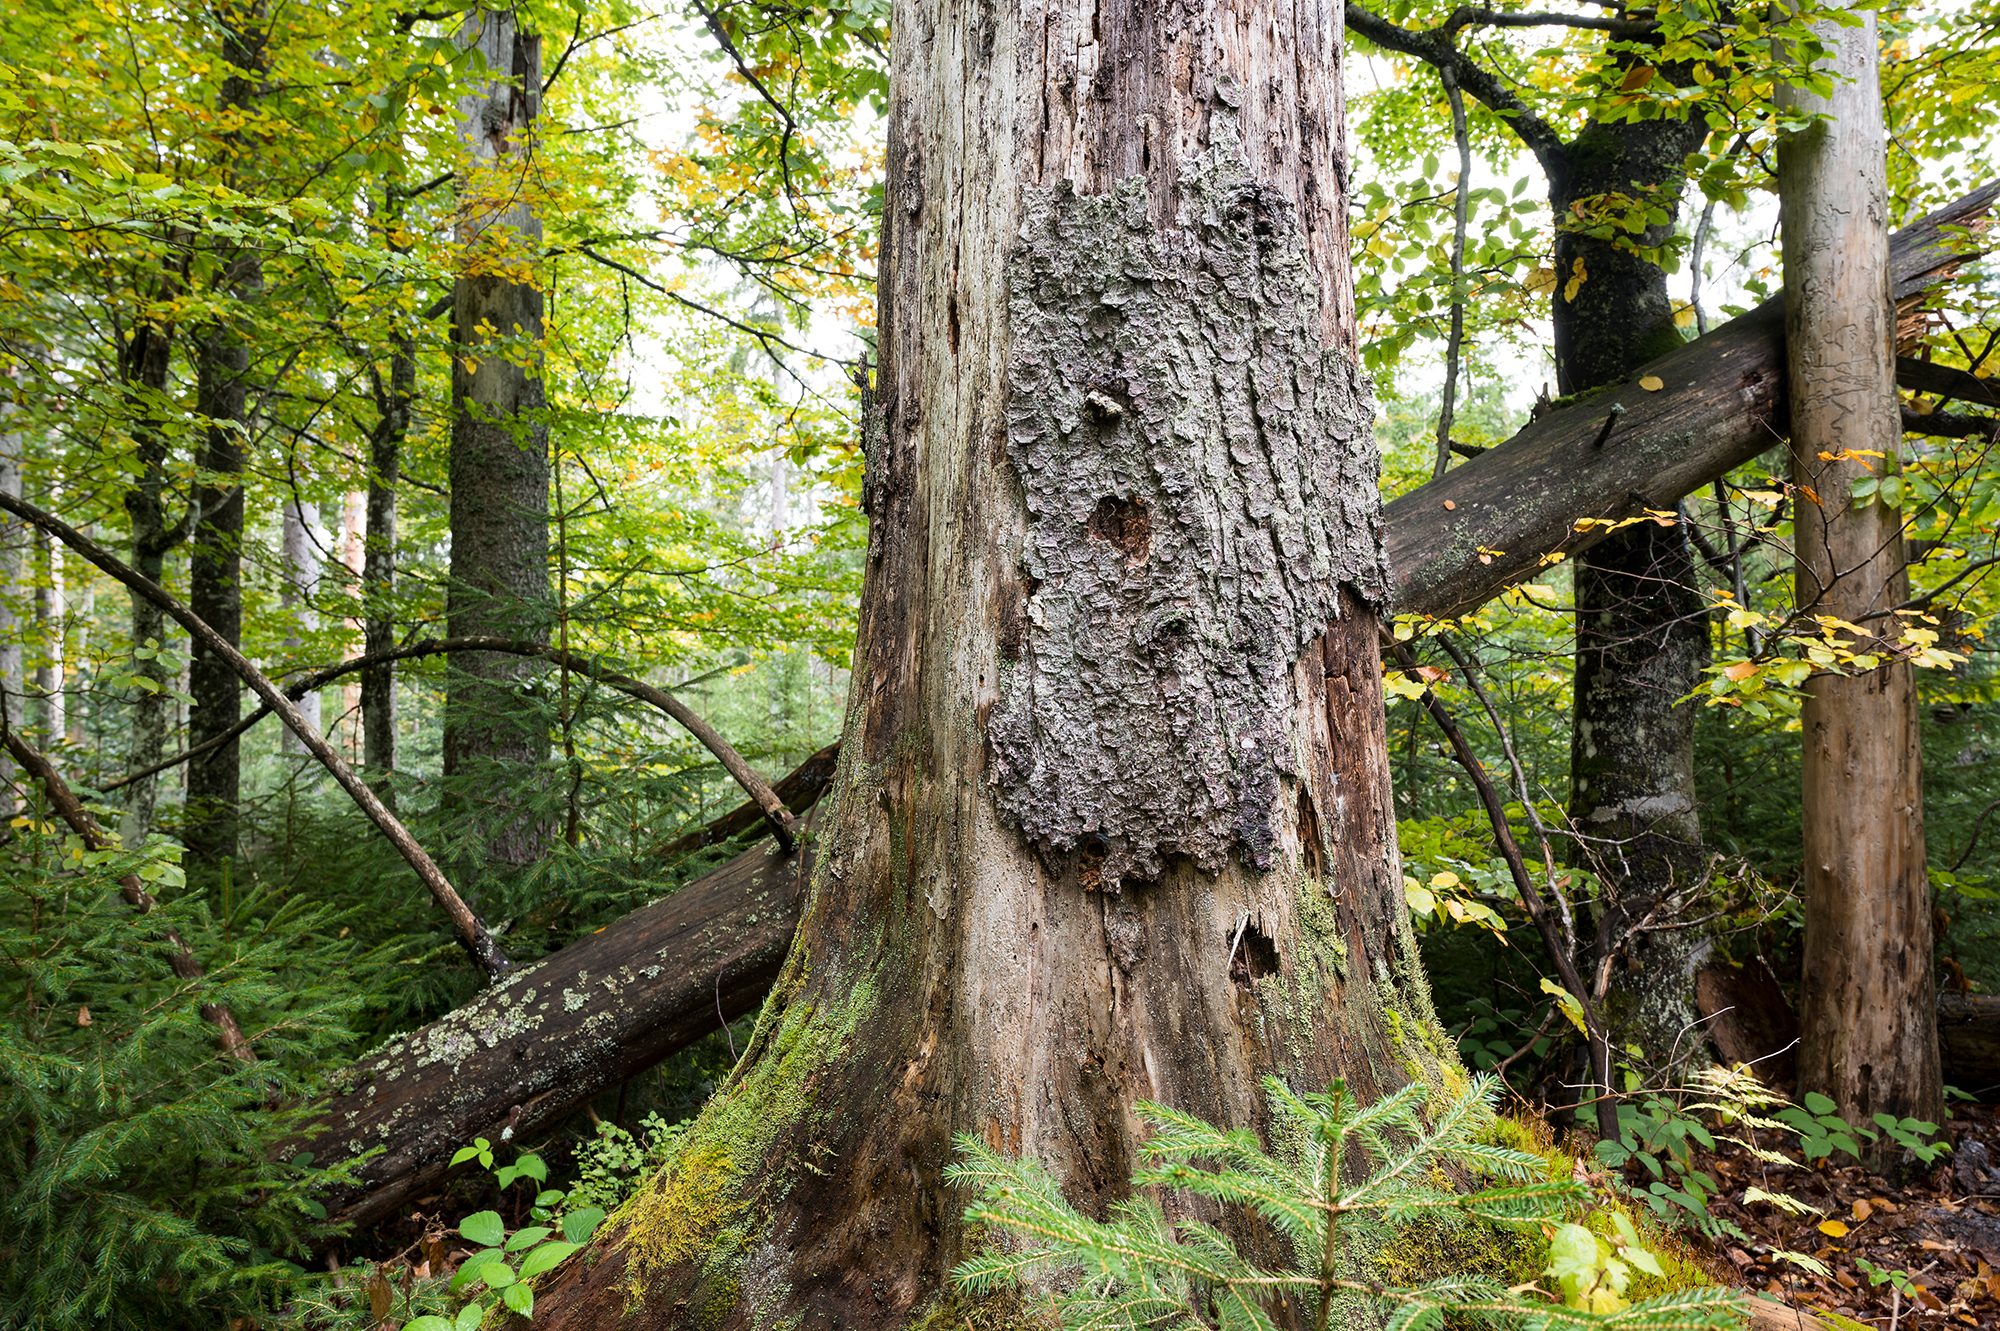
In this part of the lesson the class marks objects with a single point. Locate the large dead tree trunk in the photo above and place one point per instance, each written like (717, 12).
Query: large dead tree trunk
(1424, 584)
(1868, 1020)
(1121, 482)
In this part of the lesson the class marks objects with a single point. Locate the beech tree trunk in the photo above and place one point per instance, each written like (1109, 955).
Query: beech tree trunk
(493, 731)
(1641, 625)
(301, 555)
(1868, 1016)
(1112, 816)
(49, 714)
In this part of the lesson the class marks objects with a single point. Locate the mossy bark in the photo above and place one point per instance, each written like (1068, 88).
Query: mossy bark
(1641, 626)
(1112, 817)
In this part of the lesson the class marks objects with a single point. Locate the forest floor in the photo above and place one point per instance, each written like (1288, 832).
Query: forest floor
(1939, 1228)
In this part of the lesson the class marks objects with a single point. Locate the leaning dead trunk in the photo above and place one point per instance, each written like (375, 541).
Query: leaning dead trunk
(552, 1036)
(1868, 1020)
(1491, 522)
(1112, 818)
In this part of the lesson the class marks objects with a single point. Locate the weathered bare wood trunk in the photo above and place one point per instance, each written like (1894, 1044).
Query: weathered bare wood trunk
(499, 443)
(1112, 816)
(1868, 1017)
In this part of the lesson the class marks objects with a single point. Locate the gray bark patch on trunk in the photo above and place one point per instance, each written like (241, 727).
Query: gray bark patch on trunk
(1200, 476)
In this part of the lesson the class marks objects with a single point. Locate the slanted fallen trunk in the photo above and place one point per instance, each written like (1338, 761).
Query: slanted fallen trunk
(477, 1072)
(550, 1036)
(1455, 543)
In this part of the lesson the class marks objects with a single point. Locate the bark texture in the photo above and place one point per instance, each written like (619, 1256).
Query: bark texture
(1868, 1015)
(494, 731)
(215, 559)
(959, 967)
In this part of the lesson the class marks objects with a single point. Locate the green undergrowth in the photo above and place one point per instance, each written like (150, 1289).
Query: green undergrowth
(1418, 1210)
(1515, 1257)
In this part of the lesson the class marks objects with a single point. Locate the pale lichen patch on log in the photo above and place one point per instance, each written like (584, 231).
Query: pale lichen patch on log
(1172, 405)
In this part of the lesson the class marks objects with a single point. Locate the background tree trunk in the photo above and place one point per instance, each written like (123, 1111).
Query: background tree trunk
(215, 593)
(499, 446)
(1868, 1016)
(1112, 818)
(147, 362)
(215, 561)
(394, 399)
(49, 714)
(13, 559)
(1641, 625)
(301, 584)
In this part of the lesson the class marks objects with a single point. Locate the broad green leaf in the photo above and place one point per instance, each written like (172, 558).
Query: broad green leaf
(483, 1228)
(546, 1257)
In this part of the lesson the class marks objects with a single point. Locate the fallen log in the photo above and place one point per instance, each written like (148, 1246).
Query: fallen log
(549, 1036)
(1457, 542)
(1969, 1041)
(1721, 404)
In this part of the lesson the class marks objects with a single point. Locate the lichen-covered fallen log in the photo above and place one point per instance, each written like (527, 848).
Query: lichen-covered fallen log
(552, 1035)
